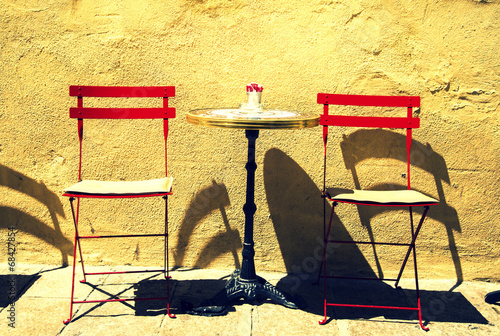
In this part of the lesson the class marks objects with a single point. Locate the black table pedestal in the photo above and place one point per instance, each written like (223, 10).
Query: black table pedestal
(244, 283)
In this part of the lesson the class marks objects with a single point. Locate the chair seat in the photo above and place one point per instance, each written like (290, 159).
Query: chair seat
(381, 197)
(120, 188)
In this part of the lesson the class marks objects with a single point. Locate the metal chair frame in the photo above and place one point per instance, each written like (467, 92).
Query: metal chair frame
(82, 113)
(409, 122)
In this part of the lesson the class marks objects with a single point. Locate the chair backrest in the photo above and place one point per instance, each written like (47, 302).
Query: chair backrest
(80, 112)
(409, 122)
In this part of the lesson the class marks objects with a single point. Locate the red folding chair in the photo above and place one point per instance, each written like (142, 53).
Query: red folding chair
(382, 198)
(161, 187)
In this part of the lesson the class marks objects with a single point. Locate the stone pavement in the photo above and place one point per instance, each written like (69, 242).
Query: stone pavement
(43, 304)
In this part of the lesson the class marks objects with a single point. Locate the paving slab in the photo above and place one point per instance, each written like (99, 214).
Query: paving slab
(43, 300)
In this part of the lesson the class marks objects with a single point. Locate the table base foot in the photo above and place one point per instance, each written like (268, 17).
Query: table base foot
(252, 291)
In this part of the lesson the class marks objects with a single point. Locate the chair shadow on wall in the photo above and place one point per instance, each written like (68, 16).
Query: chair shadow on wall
(22, 221)
(296, 210)
(375, 143)
(209, 199)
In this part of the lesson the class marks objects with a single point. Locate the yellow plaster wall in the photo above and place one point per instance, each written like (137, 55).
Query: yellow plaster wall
(444, 51)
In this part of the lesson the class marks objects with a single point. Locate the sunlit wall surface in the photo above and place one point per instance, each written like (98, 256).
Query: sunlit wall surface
(444, 51)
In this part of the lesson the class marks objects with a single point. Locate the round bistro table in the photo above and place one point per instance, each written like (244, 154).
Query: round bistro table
(244, 283)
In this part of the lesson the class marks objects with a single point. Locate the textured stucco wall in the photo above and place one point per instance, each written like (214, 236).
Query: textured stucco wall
(445, 51)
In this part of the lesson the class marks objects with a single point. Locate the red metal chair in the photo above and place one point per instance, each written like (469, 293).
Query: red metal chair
(382, 198)
(161, 187)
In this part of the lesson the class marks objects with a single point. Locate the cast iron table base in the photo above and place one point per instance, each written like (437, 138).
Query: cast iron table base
(245, 284)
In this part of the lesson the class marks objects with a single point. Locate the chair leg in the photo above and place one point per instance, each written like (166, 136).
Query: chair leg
(326, 235)
(415, 268)
(75, 219)
(412, 250)
(166, 265)
(72, 284)
(413, 239)
(324, 230)
(76, 242)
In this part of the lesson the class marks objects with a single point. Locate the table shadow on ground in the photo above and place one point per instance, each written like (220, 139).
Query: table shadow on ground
(193, 292)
